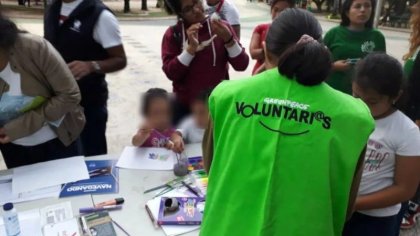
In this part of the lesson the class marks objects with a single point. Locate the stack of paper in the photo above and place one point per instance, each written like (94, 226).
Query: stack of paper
(7, 194)
(147, 159)
(41, 180)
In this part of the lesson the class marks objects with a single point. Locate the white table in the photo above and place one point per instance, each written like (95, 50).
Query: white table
(133, 218)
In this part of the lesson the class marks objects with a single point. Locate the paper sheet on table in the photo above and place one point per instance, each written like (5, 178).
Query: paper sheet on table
(147, 159)
(170, 230)
(30, 224)
(47, 174)
(7, 194)
(56, 213)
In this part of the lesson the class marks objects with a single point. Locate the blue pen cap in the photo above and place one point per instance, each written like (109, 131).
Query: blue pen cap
(8, 206)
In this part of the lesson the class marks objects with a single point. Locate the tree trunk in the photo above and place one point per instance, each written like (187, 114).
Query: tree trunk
(126, 6)
(144, 5)
(159, 3)
(319, 4)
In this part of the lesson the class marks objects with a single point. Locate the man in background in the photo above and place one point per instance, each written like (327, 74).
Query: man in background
(87, 35)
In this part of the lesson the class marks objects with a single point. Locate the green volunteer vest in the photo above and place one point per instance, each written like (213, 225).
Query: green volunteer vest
(284, 157)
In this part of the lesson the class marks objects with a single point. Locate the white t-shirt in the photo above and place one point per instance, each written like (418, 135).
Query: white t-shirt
(44, 134)
(106, 31)
(190, 132)
(228, 12)
(394, 135)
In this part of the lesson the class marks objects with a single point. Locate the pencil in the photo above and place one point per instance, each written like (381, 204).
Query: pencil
(191, 189)
(120, 227)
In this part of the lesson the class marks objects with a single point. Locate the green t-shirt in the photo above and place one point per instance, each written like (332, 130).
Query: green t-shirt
(284, 157)
(346, 44)
(408, 65)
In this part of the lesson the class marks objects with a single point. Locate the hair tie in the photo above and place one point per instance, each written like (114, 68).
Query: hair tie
(305, 39)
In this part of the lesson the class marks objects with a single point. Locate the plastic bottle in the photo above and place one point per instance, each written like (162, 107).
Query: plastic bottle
(11, 221)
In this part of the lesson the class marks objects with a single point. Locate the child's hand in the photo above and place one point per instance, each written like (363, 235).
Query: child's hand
(169, 145)
(142, 135)
(178, 143)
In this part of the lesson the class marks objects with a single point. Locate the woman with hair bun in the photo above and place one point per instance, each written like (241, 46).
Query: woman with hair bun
(282, 156)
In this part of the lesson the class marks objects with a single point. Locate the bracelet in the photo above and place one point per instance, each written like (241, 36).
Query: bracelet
(230, 40)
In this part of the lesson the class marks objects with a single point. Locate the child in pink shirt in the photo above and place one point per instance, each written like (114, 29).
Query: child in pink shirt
(156, 130)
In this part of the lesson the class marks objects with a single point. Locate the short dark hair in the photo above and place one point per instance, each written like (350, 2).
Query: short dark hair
(151, 95)
(203, 96)
(345, 20)
(8, 33)
(292, 3)
(308, 63)
(380, 72)
(173, 7)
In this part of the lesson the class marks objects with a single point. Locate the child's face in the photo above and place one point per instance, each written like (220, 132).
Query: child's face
(378, 104)
(159, 114)
(200, 114)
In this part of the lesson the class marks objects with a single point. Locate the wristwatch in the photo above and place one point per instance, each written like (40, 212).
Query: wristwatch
(96, 66)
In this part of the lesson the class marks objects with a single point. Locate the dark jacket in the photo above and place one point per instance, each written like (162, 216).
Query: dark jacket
(74, 40)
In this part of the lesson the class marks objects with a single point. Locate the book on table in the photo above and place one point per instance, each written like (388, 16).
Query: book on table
(103, 180)
(181, 211)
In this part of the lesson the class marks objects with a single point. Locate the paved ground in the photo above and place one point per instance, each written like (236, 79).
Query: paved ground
(142, 40)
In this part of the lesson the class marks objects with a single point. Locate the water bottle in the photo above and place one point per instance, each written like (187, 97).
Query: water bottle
(11, 220)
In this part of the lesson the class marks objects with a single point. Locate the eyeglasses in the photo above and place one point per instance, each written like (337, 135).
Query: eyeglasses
(189, 9)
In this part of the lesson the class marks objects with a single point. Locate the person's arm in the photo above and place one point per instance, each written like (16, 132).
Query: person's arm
(175, 61)
(237, 29)
(255, 49)
(236, 53)
(329, 40)
(141, 136)
(107, 33)
(208, 146)
(406, 181)
(232, 17)
(355, 185)
(66, 95)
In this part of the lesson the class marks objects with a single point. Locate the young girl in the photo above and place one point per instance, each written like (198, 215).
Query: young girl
(192, 128)
(258, 37)
(352, 40)
(392, 161)
(156, 130)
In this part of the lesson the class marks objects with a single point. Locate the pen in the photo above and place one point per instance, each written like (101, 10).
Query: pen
(191, 189)
(88, 210)
(113, 202)
(151, 216)
(120, 227)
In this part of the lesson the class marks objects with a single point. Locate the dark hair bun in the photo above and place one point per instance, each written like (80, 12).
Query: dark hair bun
(310, 63)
